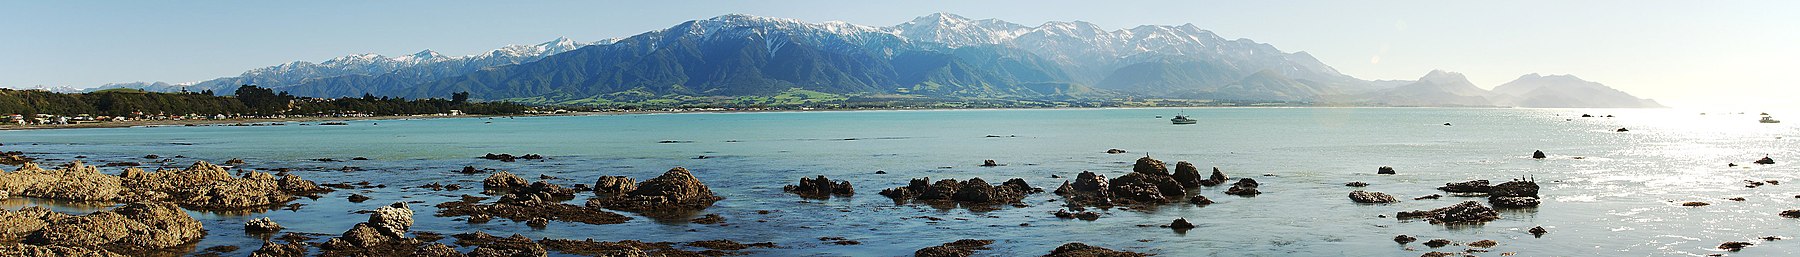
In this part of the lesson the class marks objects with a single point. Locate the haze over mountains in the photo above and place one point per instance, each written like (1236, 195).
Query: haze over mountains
(938, 55)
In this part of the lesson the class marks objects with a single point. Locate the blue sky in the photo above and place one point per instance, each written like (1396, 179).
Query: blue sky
(1685, 53)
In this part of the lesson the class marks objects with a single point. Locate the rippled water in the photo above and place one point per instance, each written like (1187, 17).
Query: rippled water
(1606, 193)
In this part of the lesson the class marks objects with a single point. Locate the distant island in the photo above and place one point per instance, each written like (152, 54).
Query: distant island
(744, 61)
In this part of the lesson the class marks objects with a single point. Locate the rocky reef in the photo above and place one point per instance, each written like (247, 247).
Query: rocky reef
(974, 192)
(133, 228)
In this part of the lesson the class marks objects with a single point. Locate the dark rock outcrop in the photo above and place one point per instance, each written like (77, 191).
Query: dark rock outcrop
(1181, 224)
(1405, 239)
(974, 191)
(1084, 250)
(1217, 177)
(1462, 213)
(1187, 174)
(1384, 170)
(1473, 186)
(1538, 231)
(1356, 184)
(1765, 161)
(1360, 196)
(1734, 246)
(676, 189)
(1538, 155)
(960, 248)
(1244, 187)
(820, 187)
(613, 185)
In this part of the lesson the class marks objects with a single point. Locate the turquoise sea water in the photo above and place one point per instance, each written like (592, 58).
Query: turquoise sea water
(1605, 193)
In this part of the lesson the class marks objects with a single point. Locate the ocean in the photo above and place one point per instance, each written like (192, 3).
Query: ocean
(1604, 192)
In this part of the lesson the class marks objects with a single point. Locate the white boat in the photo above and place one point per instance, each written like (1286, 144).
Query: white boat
(1769, 119)
(1183, 120)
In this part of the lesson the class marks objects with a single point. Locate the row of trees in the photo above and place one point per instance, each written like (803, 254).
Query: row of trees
(248, 99)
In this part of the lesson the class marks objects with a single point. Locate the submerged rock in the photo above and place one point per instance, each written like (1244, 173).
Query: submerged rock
(820, 187)
(1734, 246)
(1200, 200)
(1356, 184)
(1440, 242)
(1405, 239)
(1181, 224)
(1115, 151)
(1472, 186)
(676, 189)
(989, 163)
(960, 248)
(1371, 197)
(1461, 213)
(1538, 231)
(1084, 250)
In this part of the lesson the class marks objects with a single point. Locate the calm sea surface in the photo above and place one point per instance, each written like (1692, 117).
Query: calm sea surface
(1605, 193)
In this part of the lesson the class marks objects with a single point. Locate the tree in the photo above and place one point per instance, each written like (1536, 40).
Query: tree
(460, 98)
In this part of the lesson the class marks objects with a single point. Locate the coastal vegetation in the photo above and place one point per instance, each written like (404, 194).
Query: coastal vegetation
(248, 100)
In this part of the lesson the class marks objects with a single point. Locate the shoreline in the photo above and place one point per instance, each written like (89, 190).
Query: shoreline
(172, 123)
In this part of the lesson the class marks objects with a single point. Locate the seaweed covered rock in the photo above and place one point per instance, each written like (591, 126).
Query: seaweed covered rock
(74, 181)
(131, 228)
(1084, 250)
(14, 158)
(676, 189)
(503, 181)
(1371, 197)
(960, 248)
(820, 187)
(1461, 213)
(613, 185)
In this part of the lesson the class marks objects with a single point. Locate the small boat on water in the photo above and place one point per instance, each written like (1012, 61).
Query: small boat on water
(1183, 120)
(1769, 119)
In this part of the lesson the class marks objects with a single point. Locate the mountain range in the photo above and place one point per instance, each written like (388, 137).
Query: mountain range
(937, 55)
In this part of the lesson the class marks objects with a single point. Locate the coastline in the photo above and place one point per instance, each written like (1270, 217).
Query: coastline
(164, 123)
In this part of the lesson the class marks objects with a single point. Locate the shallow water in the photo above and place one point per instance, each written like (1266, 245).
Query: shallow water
(1606, 193)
